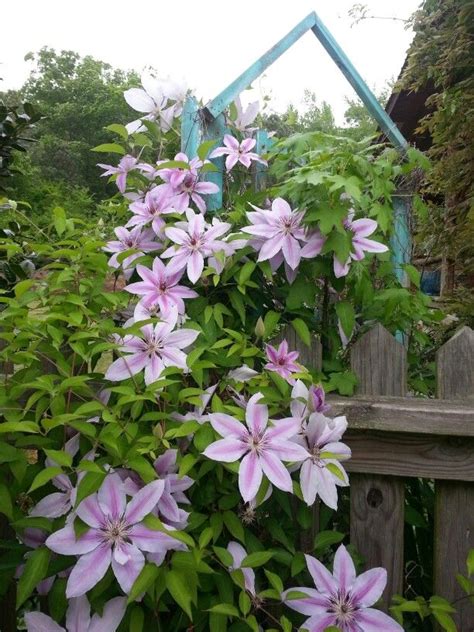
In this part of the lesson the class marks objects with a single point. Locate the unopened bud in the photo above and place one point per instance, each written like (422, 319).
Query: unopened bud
(260, 328)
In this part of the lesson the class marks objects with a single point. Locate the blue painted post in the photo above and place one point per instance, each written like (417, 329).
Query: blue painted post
(401, 240)
(215, 128)
(264, 142)
(190, 127)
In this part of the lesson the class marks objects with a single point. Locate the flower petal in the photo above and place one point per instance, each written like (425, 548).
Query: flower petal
(78, 615)
(39, 622)
(371, 620)
(227, 426)
(369, 586)
(313, 604)
(127, 573)
(275, 471)
(344, 571)
(111, 617)
(323, 580)
(250, 476)
(256, 415)
(88, 571)
(64, 541)
(144, 502)
(226, 450)
(111, 496)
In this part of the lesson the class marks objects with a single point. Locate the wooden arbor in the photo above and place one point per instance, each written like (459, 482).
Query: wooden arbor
(209, 122)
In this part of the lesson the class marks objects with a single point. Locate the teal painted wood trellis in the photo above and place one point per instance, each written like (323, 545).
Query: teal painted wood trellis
(209, 122)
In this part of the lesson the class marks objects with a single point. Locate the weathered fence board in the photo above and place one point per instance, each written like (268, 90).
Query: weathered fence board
(377, 502)
(454, 501)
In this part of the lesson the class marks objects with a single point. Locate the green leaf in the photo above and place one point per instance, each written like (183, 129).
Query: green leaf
(88, 485)
(23, 286)
(44, 477)
(302, 330)
(205, 147)
(145, 579)
(224, 556)
(225, 608)
(137, 619)
(121, 130)
(324, 539)
(59, 219)
(346, 314)
(275, 581)
(234, 525)
(60, 457)
(6, 506)
(256, 559)
(35, 570)
(19, 426)
(179, 589)
(109, 148)
(246, 272)
(244, 603)
(270, 321)
(470, 563)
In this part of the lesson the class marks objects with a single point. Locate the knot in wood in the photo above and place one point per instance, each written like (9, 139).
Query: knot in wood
(374, 498)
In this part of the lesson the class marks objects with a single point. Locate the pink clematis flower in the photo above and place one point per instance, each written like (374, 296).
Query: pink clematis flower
(157, 202)
(282, 361)
(305, 401)
(321, 438)
(152, 101)
(78, 617)
(127, 163)
(195, 240)
(342, 599)
(173, 493)
(245, 117)
(360, 229)
(264, 448)
(160, 287)
(159, 348)
(184, 184)
(278, 231)
(237, 152)
(238, 555)
(116, 536)
(127, 240)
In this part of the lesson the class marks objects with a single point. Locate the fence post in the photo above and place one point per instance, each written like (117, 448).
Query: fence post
(377, 502)
(454, 501)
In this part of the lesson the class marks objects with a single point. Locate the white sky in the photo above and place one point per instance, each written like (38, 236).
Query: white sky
(209, 42)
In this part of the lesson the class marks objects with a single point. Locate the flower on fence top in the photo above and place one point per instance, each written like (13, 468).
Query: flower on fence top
(360, 229)
(264, 447)
(184, 184)
(278, 230)
(322, 472)
(282, 361)
(342, 599)
(136, 239)
(156, 203)
(245, 117)
(195, 240)
(127, 163)
(152, 100)
(237, 152)
(116, 536)
(159, 348)
(305, 401)
(160, 286)
(238, 554)
(78, 617)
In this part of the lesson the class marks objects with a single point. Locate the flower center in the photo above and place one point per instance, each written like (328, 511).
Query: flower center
(288, 225)
(162, 287)
(154, 346)
(342, 606)
(115, 531)
(256, 443)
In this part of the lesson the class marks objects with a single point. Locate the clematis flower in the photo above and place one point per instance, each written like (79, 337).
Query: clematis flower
(78, 617)
(127, 163)
(342, 599)
(152, 101)
(127, 240)
(160, 287)
(360, 229)
(198, 413)
(242, 374)
(263, 448)
(116, 536)
(59, 503)
(195, 240)
(238, 555)
(237, 152)
(245, 117)
(185, 185)
(305, 401)
(157, 202)
(282, 361)
(324, 449)
(278, 230)
(159, 348)
(175, 486)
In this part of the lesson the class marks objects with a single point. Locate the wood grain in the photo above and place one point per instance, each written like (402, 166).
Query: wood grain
(425, 456)
(377, 502)
(310, 357)
(454, 502)
(407, 415)
(377, 526)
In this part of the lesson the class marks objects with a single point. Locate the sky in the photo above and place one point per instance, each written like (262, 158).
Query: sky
(210, 42)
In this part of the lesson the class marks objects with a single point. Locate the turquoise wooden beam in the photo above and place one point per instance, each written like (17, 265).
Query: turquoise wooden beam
(215, 128)
(353, 77)
(190, 127)
(225, 98)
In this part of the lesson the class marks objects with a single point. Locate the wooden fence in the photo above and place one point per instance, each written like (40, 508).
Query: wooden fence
(394, 436)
